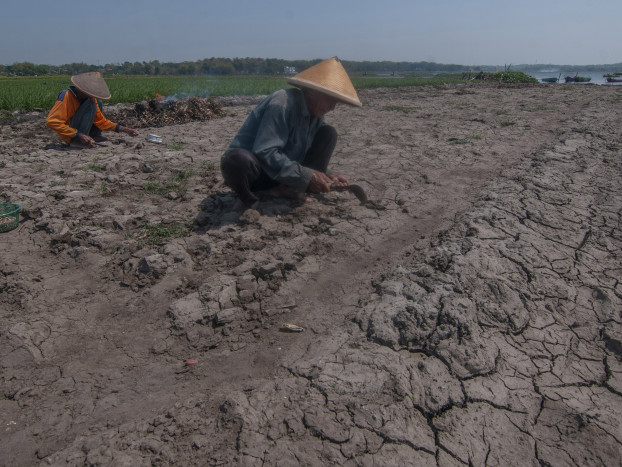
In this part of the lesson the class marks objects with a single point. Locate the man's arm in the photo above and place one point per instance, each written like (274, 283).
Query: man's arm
(59, 116)
(272, 137)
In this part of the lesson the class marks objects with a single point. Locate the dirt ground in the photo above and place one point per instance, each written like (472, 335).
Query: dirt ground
(469, 314)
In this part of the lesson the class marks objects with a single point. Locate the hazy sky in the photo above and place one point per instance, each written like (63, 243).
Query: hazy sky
(466, 32)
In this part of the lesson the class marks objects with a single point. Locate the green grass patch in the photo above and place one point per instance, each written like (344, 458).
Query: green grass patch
(175, 146)
(160, 233)
(95, 167)
(178, 183)
(28, 93)
(506, 123)
(464, 140)
(513, 77)
(209, 166)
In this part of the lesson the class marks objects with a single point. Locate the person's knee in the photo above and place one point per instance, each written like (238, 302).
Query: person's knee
(239, 163)
(236, 158)
(329, 132)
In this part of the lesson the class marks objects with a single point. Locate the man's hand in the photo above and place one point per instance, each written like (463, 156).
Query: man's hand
(339, 180)
(320, 183)
(86, 140)
(129, 131)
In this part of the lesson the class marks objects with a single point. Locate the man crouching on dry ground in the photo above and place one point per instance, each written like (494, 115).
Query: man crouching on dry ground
(284, 146)
(77, 114)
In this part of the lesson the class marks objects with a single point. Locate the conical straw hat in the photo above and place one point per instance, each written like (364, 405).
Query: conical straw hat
(91, 84)
(328, 77)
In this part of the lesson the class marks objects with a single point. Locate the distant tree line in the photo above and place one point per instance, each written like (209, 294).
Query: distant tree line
(221, 66)
(263, 66)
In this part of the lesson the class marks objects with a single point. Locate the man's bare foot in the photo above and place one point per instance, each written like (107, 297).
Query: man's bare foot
(239, 206)
(75, 144)
(284, 191)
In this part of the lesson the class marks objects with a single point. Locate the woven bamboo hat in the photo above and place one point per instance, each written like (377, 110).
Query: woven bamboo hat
(328, 77)
(91, 84)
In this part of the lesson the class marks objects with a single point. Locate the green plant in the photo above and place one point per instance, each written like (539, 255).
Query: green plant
(95, 166)
(513, 77)
(175, 146)
(505, 123)
(178, 183)
(209, 166)
(31, 92)
(159, 233)
(155, 188)
(464, 140)
(104, 190)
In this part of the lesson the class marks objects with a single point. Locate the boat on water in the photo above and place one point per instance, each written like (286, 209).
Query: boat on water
(611, 79)
(578, 79)
(551, 80)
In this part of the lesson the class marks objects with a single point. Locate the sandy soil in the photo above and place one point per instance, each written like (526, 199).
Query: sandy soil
(470, 314)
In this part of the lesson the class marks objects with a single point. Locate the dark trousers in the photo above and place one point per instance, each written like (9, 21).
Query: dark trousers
(243, 174)
(84, 117)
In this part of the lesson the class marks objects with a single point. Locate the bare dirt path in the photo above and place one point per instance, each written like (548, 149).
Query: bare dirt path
(470, 315)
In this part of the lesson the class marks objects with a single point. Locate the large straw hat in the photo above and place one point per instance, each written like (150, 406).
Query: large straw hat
(91, 84)
(328, 77)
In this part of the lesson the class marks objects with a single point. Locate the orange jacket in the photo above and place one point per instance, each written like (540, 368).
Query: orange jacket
(65, 107)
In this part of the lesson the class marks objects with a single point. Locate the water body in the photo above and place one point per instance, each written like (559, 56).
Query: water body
(597, 76)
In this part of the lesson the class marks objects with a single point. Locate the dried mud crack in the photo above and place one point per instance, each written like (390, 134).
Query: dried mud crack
(471, 316)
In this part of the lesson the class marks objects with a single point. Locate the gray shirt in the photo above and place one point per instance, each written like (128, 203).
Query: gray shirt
(279, 131)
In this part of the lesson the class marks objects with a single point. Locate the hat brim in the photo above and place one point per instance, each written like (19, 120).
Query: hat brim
(92, 84)
(300, 82)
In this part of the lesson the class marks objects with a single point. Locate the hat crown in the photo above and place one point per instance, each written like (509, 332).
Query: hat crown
(92, 84)
(328, 77)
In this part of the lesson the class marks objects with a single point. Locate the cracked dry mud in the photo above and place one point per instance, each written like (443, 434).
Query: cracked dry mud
(470, 315)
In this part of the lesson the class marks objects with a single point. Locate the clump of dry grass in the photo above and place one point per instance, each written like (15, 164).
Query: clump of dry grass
(161, 111)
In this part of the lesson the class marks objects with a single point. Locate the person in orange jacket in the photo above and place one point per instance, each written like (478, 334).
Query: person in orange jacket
(77, 114)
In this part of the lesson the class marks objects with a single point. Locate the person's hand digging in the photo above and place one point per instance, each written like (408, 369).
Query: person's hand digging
(85, 140)
(339, 180)
(320, 183)
(129, 131)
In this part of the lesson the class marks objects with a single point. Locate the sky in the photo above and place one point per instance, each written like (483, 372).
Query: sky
(464, 32)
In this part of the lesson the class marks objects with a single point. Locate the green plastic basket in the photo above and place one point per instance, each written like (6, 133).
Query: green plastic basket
(9, 216)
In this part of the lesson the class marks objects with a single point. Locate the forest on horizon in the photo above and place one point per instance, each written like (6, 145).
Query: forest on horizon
(274, 66)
